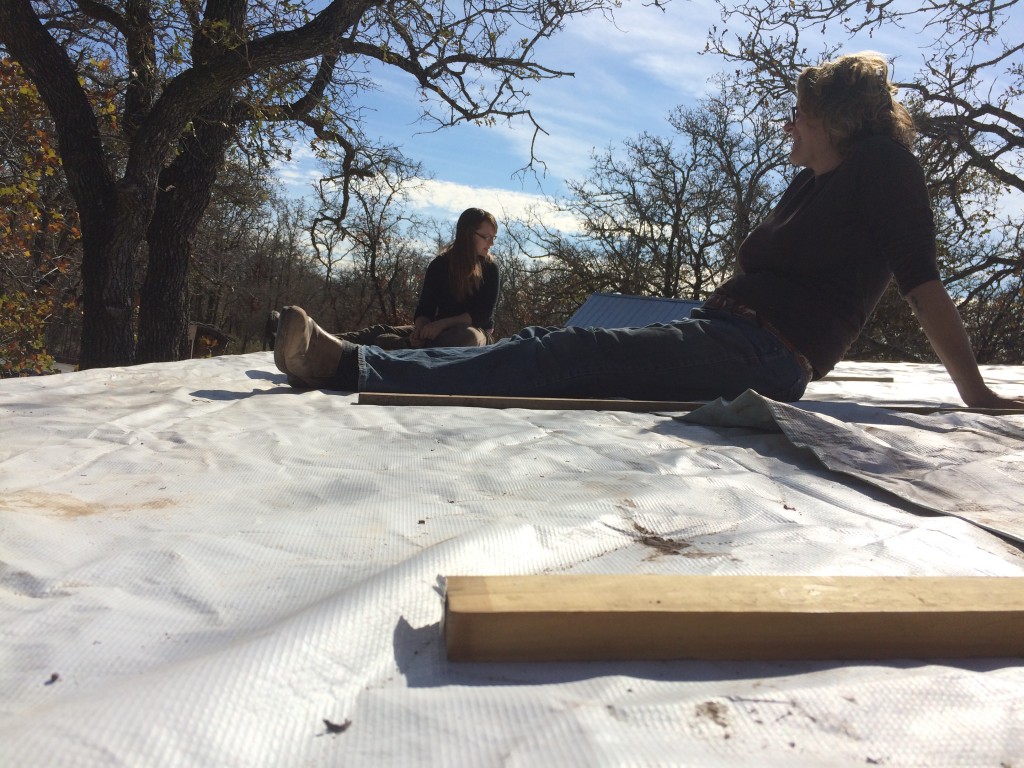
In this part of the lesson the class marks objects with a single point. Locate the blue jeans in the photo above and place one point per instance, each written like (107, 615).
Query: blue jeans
(711, 354)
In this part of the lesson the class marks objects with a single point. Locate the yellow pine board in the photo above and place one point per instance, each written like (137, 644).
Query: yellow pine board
(647, 617)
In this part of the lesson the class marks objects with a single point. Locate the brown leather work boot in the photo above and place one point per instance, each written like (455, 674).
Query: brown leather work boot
(305, 351)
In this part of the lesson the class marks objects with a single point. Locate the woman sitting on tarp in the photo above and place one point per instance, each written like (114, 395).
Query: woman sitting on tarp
(457, 301)
(809, 277)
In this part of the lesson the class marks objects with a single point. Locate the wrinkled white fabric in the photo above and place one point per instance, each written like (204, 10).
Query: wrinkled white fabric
(970, 465)
(201, 566)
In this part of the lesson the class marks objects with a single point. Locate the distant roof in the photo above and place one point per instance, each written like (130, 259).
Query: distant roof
(617, 310)
(209, 330)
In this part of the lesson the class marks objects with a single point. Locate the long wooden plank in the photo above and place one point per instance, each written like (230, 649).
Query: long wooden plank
(927, 410)
(649, 617)
(595, 404)
(532, 403)
(841, 377)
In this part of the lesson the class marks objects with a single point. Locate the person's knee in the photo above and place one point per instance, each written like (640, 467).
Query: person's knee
(461, 336)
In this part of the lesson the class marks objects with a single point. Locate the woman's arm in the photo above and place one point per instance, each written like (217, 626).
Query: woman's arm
(431, 329)
(945, 330)
(483, 303)
(434, 288)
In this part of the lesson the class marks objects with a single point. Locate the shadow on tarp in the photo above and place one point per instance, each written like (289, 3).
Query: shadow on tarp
(225, 395)
(420, 658)
(775, 446)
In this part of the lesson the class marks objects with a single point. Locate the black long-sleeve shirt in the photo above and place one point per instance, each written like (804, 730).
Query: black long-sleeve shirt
(436, 299)
(817, 266)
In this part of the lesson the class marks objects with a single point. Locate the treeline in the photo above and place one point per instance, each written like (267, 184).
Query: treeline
(134, 195)
(148, 101)
(657, 216)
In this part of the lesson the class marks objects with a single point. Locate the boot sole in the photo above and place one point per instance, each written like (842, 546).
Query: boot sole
(288, 319)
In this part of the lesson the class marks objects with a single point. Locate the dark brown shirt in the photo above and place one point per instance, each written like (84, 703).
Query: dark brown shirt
(817, 266)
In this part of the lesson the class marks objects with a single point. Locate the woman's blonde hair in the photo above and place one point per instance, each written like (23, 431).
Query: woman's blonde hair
(465, 271)
(853, 97)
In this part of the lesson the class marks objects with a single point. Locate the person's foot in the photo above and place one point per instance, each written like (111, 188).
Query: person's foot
(305, 351)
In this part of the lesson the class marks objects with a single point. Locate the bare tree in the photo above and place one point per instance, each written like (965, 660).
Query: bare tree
(230, 265)
(666, 216)
(190, 78)
(363, 236)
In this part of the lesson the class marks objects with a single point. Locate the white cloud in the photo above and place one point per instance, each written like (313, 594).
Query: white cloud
(629, 76)
(301, 173)
(663, 45)
(446, 199)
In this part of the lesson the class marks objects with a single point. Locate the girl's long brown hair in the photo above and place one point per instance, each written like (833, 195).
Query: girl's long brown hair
(465, 271)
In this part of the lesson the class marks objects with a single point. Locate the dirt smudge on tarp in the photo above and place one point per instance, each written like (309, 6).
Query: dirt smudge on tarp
(66, 505)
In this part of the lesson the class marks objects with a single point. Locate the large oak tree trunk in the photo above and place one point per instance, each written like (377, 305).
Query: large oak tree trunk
(109, 249)
(184, 193)
(113, 216)
(182, 196)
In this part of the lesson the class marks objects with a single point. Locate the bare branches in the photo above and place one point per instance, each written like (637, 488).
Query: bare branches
(192, 77)
(664, 216)
(970, 80)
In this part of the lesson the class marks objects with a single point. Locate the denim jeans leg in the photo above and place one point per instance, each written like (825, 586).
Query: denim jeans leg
(715, 355)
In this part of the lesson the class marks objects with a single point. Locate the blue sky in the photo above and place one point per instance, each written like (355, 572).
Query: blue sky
(629, 75)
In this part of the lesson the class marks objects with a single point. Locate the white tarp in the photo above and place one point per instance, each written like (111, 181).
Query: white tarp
(955, 465)
(201, 566)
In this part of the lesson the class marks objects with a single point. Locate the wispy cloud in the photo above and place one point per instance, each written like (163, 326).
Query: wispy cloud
(629, 75)
(300, 173)
(446, 200)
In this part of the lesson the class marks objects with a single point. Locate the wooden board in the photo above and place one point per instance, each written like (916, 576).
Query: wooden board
(927, 410)
(649, 617)
(533, 403)
(840, 377)
(596, 404)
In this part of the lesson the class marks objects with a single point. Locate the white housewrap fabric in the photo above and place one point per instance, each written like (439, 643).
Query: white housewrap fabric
(965, 464)
(202, 567)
